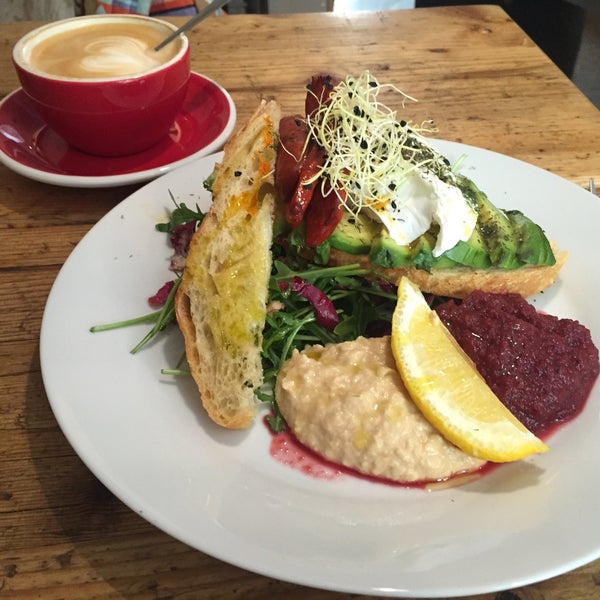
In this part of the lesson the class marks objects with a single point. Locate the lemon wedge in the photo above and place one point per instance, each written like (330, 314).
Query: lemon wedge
(445, 385)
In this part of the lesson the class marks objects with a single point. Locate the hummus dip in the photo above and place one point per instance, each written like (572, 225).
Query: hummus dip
(348, 403)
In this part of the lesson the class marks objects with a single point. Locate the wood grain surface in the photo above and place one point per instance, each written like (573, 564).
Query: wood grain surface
(63, 535)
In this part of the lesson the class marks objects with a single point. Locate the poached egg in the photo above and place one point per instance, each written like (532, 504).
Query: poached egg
(423, 199)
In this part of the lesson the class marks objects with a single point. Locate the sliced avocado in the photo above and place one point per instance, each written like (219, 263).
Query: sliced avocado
(533, 247)
(386, 253)
(443, 262)
(354, 233)
(471, 253)
(495, 228)
(422, 254)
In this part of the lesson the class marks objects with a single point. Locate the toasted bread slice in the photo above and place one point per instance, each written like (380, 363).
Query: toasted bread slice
(459, 282)
(221, 302)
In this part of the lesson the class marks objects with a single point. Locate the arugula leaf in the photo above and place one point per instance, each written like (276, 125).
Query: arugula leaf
(180, 215)
(207, 184)
(161, 318)
(165, 316)
(322, 252)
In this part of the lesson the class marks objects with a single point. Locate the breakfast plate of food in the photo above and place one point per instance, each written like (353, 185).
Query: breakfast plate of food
(240, 470)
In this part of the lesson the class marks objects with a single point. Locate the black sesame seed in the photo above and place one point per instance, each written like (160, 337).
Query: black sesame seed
(237, 173)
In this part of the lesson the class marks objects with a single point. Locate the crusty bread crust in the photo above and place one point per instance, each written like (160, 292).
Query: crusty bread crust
(221, 302)
(459, 282)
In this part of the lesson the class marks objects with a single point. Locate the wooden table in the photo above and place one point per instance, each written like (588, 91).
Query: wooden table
(64, 535)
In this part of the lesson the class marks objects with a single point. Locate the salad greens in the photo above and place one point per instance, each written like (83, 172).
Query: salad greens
(179, 230)
(180, 215)
(161, 318)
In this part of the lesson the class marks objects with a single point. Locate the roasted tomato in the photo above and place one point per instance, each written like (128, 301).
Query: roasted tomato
(323, 214)
(292, 141)
(317, 92)
(308, 182)
(299, 163)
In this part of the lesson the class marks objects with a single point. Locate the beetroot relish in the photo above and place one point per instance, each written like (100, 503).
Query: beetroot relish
(541, 367)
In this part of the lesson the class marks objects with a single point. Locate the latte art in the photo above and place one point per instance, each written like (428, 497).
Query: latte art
(114, 55)
(99, 51)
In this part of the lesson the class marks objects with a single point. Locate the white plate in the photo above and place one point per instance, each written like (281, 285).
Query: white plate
(148, 441)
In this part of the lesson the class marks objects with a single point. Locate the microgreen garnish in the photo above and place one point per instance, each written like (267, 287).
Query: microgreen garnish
(369, 152)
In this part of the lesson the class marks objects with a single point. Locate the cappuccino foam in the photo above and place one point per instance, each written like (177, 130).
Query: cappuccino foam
(102, 50)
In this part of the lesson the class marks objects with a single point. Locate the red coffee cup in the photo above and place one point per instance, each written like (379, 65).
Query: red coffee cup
(98, 82)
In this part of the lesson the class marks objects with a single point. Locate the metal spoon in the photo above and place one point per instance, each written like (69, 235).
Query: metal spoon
(207, 10)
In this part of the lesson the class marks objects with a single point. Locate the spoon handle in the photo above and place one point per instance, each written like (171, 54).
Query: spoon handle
(207, 10)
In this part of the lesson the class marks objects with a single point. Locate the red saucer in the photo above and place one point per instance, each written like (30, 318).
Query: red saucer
(29, 147)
